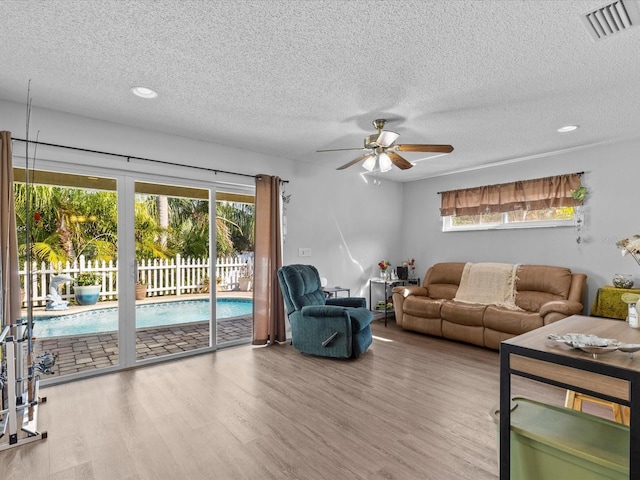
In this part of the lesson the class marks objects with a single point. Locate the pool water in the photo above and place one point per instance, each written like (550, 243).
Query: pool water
(147, 315)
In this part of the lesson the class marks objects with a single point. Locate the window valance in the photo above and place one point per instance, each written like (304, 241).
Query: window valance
(536, 194)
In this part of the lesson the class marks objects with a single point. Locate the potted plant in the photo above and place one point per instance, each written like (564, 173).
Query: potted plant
(245, 281)
(87, 288)
(141, 290)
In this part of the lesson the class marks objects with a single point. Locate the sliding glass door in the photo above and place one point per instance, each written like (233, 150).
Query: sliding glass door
(68, 246)
(173, 279)
(235, 220)
(120, 270)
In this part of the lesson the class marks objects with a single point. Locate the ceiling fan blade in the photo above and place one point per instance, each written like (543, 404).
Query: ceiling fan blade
(386, 138)
(354, 161)
(424, 148)
(399, 162)
(341, 149)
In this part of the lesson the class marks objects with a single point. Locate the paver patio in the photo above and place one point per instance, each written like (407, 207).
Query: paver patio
(80, 353)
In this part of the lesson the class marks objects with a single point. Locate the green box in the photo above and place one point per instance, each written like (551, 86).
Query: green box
(550, 442)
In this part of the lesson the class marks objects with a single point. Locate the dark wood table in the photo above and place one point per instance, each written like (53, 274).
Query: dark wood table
(614, 376)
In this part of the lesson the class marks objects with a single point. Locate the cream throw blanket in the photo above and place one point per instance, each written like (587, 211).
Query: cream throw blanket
(488, 284)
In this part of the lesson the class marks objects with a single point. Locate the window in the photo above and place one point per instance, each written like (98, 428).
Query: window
(544, 202)
(550, 217)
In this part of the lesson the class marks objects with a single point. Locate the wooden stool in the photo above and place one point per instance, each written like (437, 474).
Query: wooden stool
(574, 401)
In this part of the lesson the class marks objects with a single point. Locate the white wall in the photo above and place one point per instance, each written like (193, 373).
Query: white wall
(611, 214)
(83, 132)
(348, 224)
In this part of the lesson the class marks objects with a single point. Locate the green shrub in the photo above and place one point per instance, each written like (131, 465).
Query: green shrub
(87, 278)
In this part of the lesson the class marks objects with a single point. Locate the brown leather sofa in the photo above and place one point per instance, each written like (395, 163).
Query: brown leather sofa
(544, 294)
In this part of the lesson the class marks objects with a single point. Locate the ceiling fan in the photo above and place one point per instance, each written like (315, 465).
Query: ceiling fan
(381, 151)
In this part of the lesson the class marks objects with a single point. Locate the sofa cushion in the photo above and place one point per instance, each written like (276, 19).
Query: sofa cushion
(444, 291)
(463, 333)
(462, 313)
(509, 321)
(539, 284)
(430, 326)
(442, 279)
(422, 307)
(492, 338)
(531, 301)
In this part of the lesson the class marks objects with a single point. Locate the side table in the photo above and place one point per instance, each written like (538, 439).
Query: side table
(608, 302)
(333, 291)
(388, 286)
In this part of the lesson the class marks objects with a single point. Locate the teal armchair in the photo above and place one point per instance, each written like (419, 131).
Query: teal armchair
(327, 327)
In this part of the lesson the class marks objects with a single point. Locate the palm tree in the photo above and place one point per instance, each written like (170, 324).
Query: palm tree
(163, 216)
(240, 219)
(66, 223)
(148, 232)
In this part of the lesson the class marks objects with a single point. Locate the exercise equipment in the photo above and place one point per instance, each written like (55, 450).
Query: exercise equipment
(20, 399)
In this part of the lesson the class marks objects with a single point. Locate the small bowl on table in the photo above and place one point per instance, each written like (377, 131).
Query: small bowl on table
(629, 348)
(597, 346)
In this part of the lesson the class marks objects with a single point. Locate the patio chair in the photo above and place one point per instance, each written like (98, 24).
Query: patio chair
(327, 327)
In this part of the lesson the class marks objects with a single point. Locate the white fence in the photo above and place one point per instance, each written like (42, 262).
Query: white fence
(176, 276)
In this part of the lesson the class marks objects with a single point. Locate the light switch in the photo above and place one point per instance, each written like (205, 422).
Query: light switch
(304, 252)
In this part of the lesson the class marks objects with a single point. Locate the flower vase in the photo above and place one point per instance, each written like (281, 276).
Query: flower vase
(383, 273)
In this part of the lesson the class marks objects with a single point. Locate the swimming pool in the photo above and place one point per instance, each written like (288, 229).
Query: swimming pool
(147, 315)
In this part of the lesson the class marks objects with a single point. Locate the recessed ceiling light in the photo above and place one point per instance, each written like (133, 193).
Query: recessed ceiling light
(568, 128)
(144, 92)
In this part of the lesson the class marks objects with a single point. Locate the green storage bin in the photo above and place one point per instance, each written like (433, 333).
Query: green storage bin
(549, 442)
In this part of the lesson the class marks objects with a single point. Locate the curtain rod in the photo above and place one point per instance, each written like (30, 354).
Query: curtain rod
(576, 173)
(130, 157)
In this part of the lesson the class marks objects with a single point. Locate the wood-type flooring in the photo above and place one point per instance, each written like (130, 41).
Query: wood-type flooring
(413, 407)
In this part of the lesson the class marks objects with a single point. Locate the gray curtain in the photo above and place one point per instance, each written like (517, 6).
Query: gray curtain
(268, 305)
(8, 236)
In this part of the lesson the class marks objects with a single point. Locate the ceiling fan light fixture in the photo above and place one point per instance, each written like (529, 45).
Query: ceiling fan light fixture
(381, 152)
(370, 163)
(384, 162)
(386, 138)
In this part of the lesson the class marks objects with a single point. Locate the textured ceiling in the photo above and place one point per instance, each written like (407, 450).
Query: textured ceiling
(495, 79)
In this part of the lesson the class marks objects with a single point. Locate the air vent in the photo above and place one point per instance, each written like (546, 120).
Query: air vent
(612, 19)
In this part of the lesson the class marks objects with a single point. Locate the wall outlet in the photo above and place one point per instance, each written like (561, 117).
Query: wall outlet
(304, 252)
